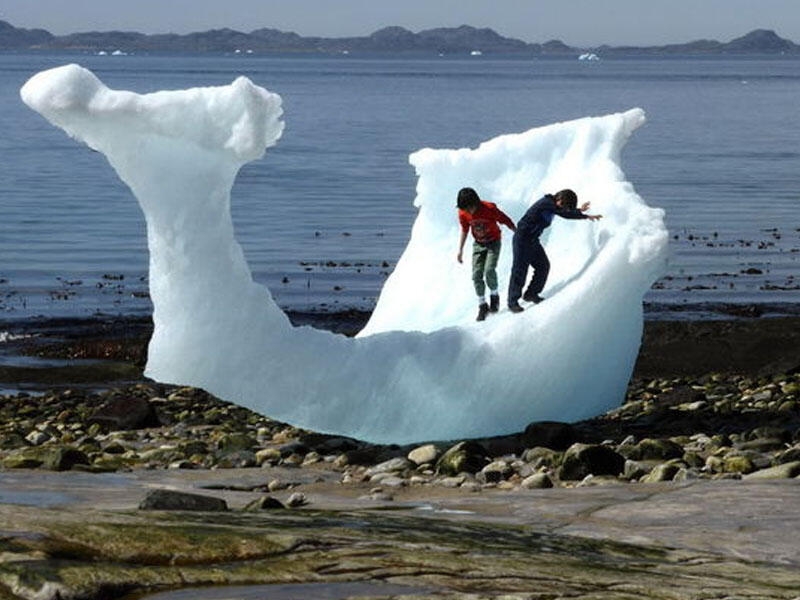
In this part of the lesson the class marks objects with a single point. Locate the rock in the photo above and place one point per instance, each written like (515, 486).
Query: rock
(173, 500)
(581, 460)
(181, 464)
(549, 434)
(537, 481)
(539, 457)
(634, 470)
(296, 499)
(268, 456)
(235, 442)
(784, 471)
(452, 482)
(762, 445)
(192, 447)
(393, 465)
(662, 472)
(114, 448)
(293, 447)
(63, 458)
(464, 457)
(738, 463)
(495, 472)
(37, 438)
(263, 503)
(424, 454)
(392, 481)
(790, 455)
(791, 388)
(657, 449)
(237, 459)
(22, 459)
(129, 412)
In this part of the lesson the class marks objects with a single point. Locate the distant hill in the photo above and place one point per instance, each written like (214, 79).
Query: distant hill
(759, 41)
(390, 40)
(12, 38)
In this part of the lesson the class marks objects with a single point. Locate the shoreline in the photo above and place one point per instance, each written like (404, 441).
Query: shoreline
(730, 338)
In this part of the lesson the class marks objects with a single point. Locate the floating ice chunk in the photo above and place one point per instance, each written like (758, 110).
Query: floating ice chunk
(422, 369)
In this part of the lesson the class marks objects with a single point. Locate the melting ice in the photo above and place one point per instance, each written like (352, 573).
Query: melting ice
(422, 369)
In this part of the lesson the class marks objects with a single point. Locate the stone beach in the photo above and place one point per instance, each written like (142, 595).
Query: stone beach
(708, 434)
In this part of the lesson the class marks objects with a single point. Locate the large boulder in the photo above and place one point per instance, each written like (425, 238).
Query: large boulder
(581, 460)
(464, 457)
(549, 434)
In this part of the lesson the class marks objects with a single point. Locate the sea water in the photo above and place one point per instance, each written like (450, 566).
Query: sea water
(326, 214)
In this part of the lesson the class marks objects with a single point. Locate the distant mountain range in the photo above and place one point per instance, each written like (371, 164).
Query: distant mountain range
(390, 40)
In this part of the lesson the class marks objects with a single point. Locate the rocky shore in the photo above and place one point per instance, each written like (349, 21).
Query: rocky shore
(713, 403)
(709, 400)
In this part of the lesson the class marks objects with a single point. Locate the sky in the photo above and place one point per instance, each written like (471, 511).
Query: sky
(576, 22)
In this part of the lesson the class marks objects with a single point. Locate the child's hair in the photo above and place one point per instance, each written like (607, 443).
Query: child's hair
(567, 198)
(467, 197)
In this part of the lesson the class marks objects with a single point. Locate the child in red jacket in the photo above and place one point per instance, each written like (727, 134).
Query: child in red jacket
(482, 218)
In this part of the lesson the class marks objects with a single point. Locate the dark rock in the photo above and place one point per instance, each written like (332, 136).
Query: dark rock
(581, 460)
(495, 472)
(464, 457)
(123, 413)
(294, 447)
(549, 434)
(63, 458)
(502, 445)
(172, 500)
(768, 431)
(683, 394)
(193, 447)
(791, 455)
(264, 503)
(324, 444)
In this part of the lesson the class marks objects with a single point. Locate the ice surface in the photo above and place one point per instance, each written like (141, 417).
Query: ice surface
(422, 369)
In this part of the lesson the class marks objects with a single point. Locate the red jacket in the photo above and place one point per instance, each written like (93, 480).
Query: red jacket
(484, 222)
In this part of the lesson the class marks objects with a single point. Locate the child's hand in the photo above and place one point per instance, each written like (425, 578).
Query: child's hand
(460, 258)
(594, 217)
(585, 206)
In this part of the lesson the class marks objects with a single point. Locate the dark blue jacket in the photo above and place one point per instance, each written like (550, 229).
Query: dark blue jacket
(539, 216)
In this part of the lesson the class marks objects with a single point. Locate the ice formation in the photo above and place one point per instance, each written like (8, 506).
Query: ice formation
(422, 369)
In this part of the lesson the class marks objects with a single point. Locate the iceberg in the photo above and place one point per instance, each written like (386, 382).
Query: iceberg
(422, 369)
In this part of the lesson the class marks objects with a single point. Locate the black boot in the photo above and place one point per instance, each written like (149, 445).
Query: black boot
(494, 303)
(515, 308)
(530, 296)
(483, 310)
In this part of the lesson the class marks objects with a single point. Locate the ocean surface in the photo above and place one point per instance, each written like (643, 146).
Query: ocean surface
(325, 215)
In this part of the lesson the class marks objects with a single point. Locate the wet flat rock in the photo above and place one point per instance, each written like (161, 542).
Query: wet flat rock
(665, 541)
(594, 543)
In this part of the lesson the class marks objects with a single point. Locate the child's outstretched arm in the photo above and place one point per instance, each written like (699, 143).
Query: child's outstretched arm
(461, 240)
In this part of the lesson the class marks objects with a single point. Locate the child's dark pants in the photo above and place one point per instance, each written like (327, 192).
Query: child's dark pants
(527, 253)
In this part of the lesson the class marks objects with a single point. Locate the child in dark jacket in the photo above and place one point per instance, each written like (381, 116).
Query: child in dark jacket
(528, 250)
(482, 218)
